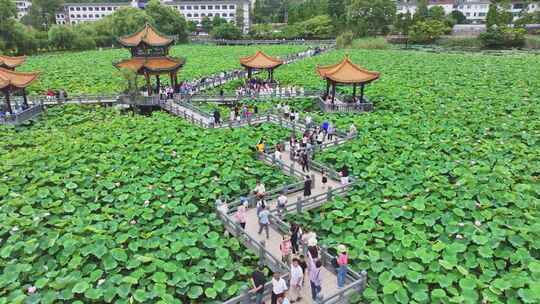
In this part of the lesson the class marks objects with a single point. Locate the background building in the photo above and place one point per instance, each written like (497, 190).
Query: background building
(74, 13)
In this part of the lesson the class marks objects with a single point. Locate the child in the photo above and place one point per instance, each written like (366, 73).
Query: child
(285, 248)
(324, 180)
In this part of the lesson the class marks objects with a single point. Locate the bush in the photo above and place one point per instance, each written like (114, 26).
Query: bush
(460, 42)
(502, 37)
(373, 43)
(83, 42)
(345, 40)
(427, 31)
(532, 42)
(226, 31)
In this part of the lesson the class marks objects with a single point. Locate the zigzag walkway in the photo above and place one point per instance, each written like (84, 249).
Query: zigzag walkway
(268, 248)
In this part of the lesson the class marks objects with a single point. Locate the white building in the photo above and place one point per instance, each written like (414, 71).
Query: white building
(74, 13)
(474, 10)
(22, 7)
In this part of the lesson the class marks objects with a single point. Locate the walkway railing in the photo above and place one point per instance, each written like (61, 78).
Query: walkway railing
(263, 41)
(20, 117)
(345, 107)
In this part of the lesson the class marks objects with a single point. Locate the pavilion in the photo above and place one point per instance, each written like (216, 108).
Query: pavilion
(150, 56)
(261, 61)
(346, 73)
(11, 63)
(11, 81)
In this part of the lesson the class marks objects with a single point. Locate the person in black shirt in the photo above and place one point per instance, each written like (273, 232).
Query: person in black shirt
(217, 117)
(258, 279)
(307, 186)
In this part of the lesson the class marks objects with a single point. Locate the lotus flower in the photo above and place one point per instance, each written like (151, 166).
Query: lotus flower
(169, 196)
(101, 281)
(478, 205)
(117, 184)
(146, 203)
(15, 228)
(46, 214)
(133, 222)
(404, 207)
(461, 224)
(477, 223)
(386, 200)
(32, 289)
(162, 206)
(97, 175)
(150, 187)
(173, 153)
(459, 236)
(169, 189)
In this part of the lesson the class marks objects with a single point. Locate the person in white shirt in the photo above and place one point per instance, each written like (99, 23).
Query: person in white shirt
(297, 280)
(279, 286)
(308, 121)
(286, 111)
(281, 204)
(352, 131)
(278, 157)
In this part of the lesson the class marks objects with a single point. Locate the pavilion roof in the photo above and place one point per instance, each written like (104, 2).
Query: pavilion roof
(11, 62)
(153, 64)
(347, 72)
(14, 79)
(147, 35)
(260, 61)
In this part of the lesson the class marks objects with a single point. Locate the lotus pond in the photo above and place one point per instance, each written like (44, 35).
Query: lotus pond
(102, 207)
(92, 72)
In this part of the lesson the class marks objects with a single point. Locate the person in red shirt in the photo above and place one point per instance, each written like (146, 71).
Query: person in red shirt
(342, 261)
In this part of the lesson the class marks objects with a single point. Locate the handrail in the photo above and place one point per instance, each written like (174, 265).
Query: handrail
(18, 118)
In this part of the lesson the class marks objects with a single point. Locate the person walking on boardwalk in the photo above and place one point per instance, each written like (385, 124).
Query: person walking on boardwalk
(240, 214)
(315, 269)
(259, 190)
(324, 127)
(285, 249)
(277, 155)
(342, 262)
(331, 130)
(344, 173)
(307, 186)
(264, 221)
(296, 235)
(324, 180)
(258, 279)
(297, 280)
(279, 286)
(304, 160)
(232, 115)
(217, 117)
(281, 204)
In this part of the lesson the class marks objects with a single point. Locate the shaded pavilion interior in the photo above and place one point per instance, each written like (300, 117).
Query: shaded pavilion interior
(346, 73)
(11, 81)
(261, 61)
(150, 57)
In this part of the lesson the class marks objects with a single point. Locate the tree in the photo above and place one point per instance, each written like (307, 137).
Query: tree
(226, 31)
(42, 13)
(128, 20)
(206, 24)
(436, 13)
(8, 10)
(368, 17)
(191, 26)
(427, 31)
(240, 16)
(217, 21)
(458, 17)
(403, 23)
(492, 17)
(316, 27)
(61, 37)
(422, 12)
(167, 20)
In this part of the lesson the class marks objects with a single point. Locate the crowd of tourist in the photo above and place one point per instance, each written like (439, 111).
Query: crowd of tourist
(257, 88)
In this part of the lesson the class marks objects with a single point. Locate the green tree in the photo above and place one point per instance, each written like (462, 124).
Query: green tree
(191, 26)
(436, 13)
(403, 23)
(427, 31)
(61, 37)
(368, 17)
(492, 17)
(129, 20)
(458, 17)
(167, 20)
(316, 27)
(240, 16)
(226, 31)
(217, 21)
(42, 13)
(206, 24)
(8, 10)
(422, 12)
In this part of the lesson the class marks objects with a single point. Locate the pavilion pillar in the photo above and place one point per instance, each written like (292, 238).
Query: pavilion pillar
(249, 73)
(362, 93)
(353, 91)
(8, 103)
(333, 92)
(158, 84)
(327, 88)
(25, 98)
(176, 89)
(148, 84)
(171, 75)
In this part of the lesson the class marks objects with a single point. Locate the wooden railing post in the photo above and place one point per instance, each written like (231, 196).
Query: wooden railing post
(245, 293)
(262, 253)
(329, 193)
(312, 181)
(298, 205)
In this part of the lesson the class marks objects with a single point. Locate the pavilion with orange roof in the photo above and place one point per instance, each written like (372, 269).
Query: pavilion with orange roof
(11, 81)
(150, 56)
(261, 61)
(346, 73)
(11, 63)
